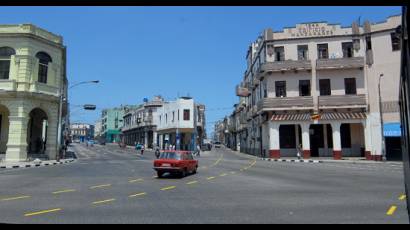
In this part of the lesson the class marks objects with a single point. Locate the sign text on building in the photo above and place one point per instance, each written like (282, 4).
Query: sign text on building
(312, 29)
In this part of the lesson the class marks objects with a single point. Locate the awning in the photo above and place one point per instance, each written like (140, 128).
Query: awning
(343, 116)
(323, 116)
(392, 130)
(291, 117)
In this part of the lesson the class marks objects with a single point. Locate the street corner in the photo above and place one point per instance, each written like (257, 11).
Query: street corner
(35, 164)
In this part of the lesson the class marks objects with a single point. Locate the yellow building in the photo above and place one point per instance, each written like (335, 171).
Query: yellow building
(32, 78)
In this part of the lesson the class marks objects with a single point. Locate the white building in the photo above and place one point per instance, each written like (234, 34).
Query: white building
(81, 131)
(181, 124)
(315, 85)
(97, 129)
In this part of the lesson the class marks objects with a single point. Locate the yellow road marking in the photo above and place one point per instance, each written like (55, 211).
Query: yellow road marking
(137, 180)
(42, 212)
(210, 178)
(402, 197)
(233, 172)
(204, 167)
(192, 182)
(391, 210)
(15, 198)
(168, 188)
(138, 194)
(154, 176)
(103, 201)
(217, 162)
(223, 174)
(64, 191)
(100, 186)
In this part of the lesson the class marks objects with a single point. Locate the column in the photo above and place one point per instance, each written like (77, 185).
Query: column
(337, 145)
(146, 139)
(306, 140)
(274, 146)
(17, 140)
(51, 142)
(367, 139)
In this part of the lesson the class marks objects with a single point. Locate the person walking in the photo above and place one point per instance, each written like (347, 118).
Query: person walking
(299, 149)
(142, 149)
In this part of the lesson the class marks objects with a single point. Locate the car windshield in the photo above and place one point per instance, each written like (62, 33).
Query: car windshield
(170, 155)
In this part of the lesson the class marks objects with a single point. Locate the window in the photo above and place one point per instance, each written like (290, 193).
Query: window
(323, 51)
(345, 135)
(347, 48)
(350, 86)
(279, 53)
(368, 43)
(178, 114)
(395, 41)
(280, 88)
(166, 118)
(5, 56)
(187, 115)
(173, 116)
(324, 86)
(304, 88)
(44, 59)
(303, 52)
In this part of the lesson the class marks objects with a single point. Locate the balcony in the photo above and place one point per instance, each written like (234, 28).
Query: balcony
(342, 101)
(340, 63)
(288, 65)
(285, 103)
(242, 91)
(8, 85)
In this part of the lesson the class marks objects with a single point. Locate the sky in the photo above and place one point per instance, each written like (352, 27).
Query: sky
(140, 52)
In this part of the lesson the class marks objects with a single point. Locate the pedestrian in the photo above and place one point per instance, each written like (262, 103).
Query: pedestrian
(142, 149)
(157, 152)
(299, 149)
(198, 150)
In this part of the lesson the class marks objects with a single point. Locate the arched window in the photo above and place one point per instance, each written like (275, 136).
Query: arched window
(5, 55)
(44, 59)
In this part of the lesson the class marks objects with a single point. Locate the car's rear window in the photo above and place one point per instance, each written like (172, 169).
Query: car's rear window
(171, 155)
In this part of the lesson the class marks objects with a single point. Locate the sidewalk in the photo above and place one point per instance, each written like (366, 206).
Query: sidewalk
(32, 164)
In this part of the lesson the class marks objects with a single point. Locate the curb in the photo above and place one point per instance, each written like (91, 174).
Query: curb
(33, 165)
(292, 161)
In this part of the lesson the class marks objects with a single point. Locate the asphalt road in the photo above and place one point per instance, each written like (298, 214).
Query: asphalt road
(110, 185)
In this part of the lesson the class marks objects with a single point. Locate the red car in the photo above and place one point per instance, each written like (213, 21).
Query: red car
(175, 162)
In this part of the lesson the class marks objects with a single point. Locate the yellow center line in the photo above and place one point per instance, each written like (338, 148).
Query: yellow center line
(138, 194)
(42, 212)
(103, 201)
(402, 197)
(391, 210)
(15, 198)
(137, 180)
(168, 188)
(210, 178)
(100, 186)
(223, 174)
(64, 191)
(233, 172)
(192, 182)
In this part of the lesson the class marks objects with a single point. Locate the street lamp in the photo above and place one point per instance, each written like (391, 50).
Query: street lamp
(60, 112)
(381, 120)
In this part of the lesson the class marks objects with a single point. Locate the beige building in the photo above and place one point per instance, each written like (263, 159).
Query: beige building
(32, 77)
(315, 86)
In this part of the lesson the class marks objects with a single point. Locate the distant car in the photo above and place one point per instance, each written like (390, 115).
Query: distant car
(77, 141)
(90, 142)
(138, 147)
(175, 162)
(217, 144)
(206, 147)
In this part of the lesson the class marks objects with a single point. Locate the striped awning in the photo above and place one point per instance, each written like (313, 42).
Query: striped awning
(323, 116)
(291, 117)
(343, 116)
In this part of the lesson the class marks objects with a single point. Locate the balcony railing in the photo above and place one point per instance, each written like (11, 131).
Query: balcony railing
(340, 63)
(288, 65)
(242, 91)
(342, 101)
(285, 103)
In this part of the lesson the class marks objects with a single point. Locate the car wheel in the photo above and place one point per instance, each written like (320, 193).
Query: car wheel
(194, 172)
(160, 174)
(183, 173)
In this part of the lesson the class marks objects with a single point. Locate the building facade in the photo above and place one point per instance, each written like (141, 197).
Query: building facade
(140, 124)
(181, 124)
(97, 130)
(111, 124)
(315, 87)
(32, 78)
(81, 131)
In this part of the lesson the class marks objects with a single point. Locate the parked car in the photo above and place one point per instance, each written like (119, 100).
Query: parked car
(217, 144)
(175, 162)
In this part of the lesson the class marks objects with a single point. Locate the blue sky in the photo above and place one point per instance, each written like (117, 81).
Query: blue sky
(139, 52)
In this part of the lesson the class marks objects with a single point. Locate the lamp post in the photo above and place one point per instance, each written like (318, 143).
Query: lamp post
(381, 120)
(60, 112)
